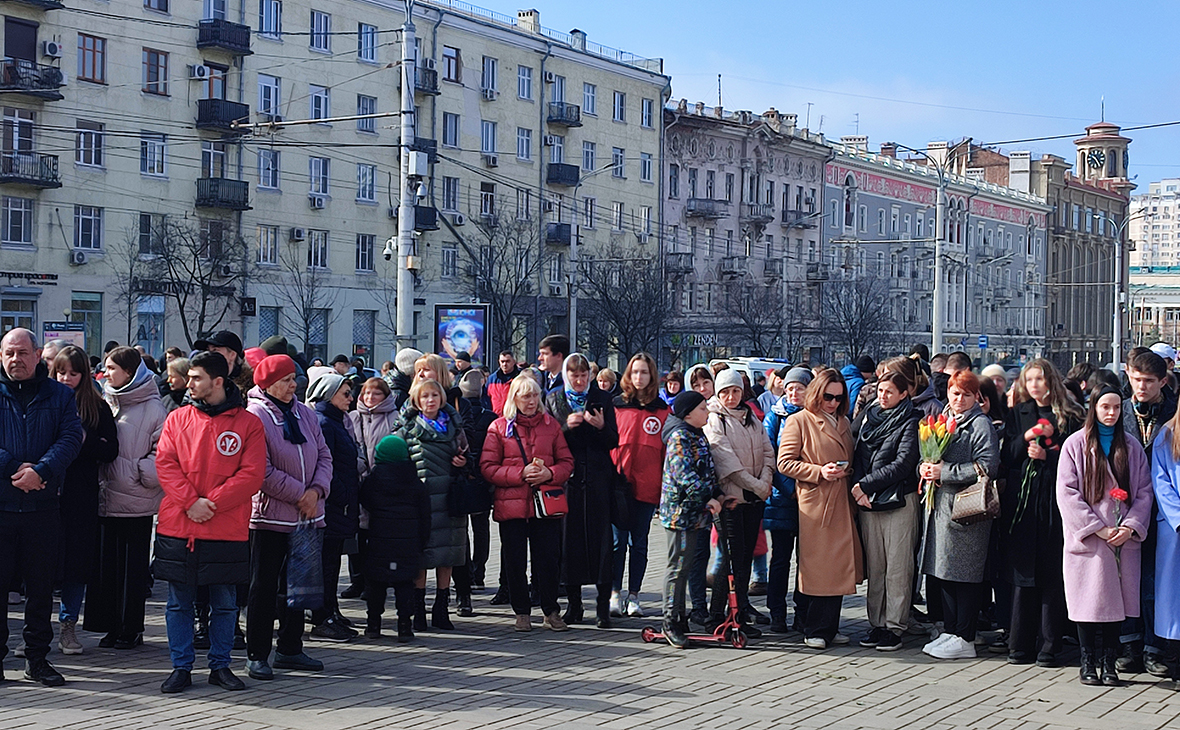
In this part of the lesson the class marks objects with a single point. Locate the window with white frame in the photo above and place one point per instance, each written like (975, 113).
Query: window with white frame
(620, 107)
(318, 168)
(490, 79)
(617, 215)
(88, 227)
(366, 42)
(487, 137)
(557, 89)
(647, 113)
(366, 105)
(366, 245)
(270, 18)
(449, 265)
(487, 199)
(152, 148)
(555, 267)
(213, 159)
(450, 193)
(645, 220)
(589, 152)
(524, 204)
(646, 167)
(17, 227)
(317, 249)
(557, 149)
(450, 130)
(524, 143)
(268, 168)
(321, 31)
(151, 229)
(89, 143)
(589, 212)
(524, 82)
(366, 182)
(268, 245)
(618, 158)
(320, 101)
(269, 94)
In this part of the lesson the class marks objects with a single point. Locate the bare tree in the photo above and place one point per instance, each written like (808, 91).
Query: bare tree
(128, 266)
(625, 304)
(305, 291)
(857, 316)
(755, 310)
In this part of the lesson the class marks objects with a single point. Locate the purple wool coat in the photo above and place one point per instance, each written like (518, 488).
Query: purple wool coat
(1099, 588)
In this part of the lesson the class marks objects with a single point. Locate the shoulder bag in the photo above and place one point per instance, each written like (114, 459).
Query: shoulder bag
(977, 502)
(549, 500)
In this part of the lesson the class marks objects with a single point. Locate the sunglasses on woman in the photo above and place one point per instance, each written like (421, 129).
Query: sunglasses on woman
(828, 397)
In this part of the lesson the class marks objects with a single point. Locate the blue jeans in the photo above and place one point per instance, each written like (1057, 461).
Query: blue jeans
(634, 537)
(223, 617)
(71, 601)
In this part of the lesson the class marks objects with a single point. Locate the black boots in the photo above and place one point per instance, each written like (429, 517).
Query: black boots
(1089, 672)
(602, 610)
(464, 602)
(404, 630)
(575, 611)
(1110, 677)
(439, 617)
(419, 609)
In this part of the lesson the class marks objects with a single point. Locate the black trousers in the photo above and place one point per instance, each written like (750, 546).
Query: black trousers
(1088, 635)
(481, 545)
(541, 537)
(820, 616)
(28, 549)
(737, 533)
(116, 596)
(330, 558)
(268, 578)
(960, 607)
(1037, 612)
(356, 562)
(403, 596)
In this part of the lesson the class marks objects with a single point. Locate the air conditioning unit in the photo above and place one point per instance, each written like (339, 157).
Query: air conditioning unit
(79, 257)
(225, 270)
(393, 212)
(428, 63)
(491, 160)
(458, 219)
(547, 206)
(550, 77)
(298, 234)
(317, 202)
(199, 73)
(550, 140)
(556, 290)
(643, 237)
(489, 94)
(52, 49)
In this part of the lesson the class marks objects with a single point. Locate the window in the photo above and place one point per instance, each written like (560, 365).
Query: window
(589, 99)
(618, 159)
(86, 309)
(269, 94)
(489, 81)
(729, 181)
(589, 152)
(160, 5)
(269, 321)
(366, 42)
(317, 249)
(557, 149)
(487, 199)
(317, 345)
(524, 82)
(620, 107)
(880, 221)
(16, 229)
(589, 212)
(645, 167)
(645, 219)
(268, 245)
(450, 193)
(450, 130)
(320, 102)
(449, 267)
(155, 72)
(366, 105)
(524, 143)
(88, 146)
(88, 227)
(452, 64)
(270, 18)
(213, 159)
(524, 204)
(366, 245)
(321, 31)
(710, 183)
(673, 181)
(557, 90)
(647, 113)
(692, 182)
(617, 215)
(366, 182)
(555, 267)
(213, 236)
(318, 171)
(92, 58)
(487, 137)
(151, 153)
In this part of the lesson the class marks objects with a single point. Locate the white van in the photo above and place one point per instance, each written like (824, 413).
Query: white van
(753, 366)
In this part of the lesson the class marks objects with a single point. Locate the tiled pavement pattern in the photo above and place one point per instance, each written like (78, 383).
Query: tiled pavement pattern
(485, 676)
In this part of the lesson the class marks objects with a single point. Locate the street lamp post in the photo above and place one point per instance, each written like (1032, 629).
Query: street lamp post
(405, 217)
(1117, 333)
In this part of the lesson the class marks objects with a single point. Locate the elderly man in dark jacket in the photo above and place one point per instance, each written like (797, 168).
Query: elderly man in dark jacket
(40, 435)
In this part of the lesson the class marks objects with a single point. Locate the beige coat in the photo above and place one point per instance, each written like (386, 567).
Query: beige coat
(742, 455)
(830, 560)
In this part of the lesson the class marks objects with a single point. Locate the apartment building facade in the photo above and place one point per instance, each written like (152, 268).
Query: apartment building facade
(1152, 229)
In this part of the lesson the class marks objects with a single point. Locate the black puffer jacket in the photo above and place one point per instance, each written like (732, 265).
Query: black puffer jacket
(895, 461)
(431, 453)
(399, 522)
(341, 513)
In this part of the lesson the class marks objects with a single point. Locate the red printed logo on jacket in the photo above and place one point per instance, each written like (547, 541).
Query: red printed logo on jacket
(229, 443)
(651, 425)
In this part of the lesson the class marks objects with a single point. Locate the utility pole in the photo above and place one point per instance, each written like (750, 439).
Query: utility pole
(938, 306)
(405, 211)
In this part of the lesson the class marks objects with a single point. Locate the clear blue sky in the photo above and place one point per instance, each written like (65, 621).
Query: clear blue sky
(914, 71)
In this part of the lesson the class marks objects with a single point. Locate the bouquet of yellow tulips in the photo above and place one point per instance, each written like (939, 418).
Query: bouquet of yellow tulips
(934, 436)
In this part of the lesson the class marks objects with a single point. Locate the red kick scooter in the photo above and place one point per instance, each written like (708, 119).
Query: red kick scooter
(729, 630)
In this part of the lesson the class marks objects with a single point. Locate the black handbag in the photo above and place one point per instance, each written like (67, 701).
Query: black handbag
(889, 498)
(468, 495)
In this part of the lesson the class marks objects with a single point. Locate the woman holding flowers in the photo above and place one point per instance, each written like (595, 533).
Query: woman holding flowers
(1044, 414)
(955, 554)
(1104, 494)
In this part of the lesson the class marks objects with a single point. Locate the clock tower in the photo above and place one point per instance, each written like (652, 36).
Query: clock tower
(1102, 155)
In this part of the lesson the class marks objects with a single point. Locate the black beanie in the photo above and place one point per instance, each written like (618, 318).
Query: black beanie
(686, 402)
(865, 364)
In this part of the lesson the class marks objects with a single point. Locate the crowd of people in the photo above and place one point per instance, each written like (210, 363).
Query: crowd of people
(234, 478)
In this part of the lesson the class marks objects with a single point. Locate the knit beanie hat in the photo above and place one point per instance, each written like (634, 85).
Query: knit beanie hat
(276, 345)
(324, 386)
(272, 369)
(865, 364)
(687, 401)
(729, 378)
(797, 375)
(405, 359)
(392, 449)
(471, 384)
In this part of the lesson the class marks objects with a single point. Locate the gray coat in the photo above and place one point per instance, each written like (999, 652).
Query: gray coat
(952, 551)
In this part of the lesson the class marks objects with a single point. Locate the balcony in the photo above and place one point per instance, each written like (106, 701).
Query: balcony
(20, 76)
(567, 115)
(757, 213)
(1058, 230)
(817, 272)
(41, 4)
(220, 114)
(429, 146)
(735, 265)
(706, 208)
(27, 168)
(561, 174)
(799, 219)
(425, 218)
(426, 80)
(224, 35)
(772, 269)
(558, 233)
(220, 192)
(678, 263)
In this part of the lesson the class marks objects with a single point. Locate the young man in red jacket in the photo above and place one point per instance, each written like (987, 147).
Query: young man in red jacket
(211, 460)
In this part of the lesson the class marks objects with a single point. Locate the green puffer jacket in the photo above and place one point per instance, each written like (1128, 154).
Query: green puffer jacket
(432, 452)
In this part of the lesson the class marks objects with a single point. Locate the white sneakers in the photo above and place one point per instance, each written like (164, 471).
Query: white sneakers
(814, 642)
(949, 646)
(618, 604)
(633, 608)
(840, 640)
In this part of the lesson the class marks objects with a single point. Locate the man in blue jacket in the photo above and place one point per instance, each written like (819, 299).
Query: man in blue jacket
(40, 435)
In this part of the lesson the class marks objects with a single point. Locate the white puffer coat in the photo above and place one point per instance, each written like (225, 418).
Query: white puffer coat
(130, 487)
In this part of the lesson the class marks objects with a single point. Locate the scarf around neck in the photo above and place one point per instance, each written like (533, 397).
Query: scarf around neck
(880, 422)
(576, 400)
(291, 430)
(438, 423)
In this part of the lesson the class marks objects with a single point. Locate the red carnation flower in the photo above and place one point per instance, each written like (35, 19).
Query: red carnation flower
(1118, 494)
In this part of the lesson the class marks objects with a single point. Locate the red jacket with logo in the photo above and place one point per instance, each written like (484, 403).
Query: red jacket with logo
(221, 458)
(640, 454)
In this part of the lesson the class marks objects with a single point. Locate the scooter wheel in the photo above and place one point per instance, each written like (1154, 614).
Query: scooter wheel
(737, 638)
(648, 634)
